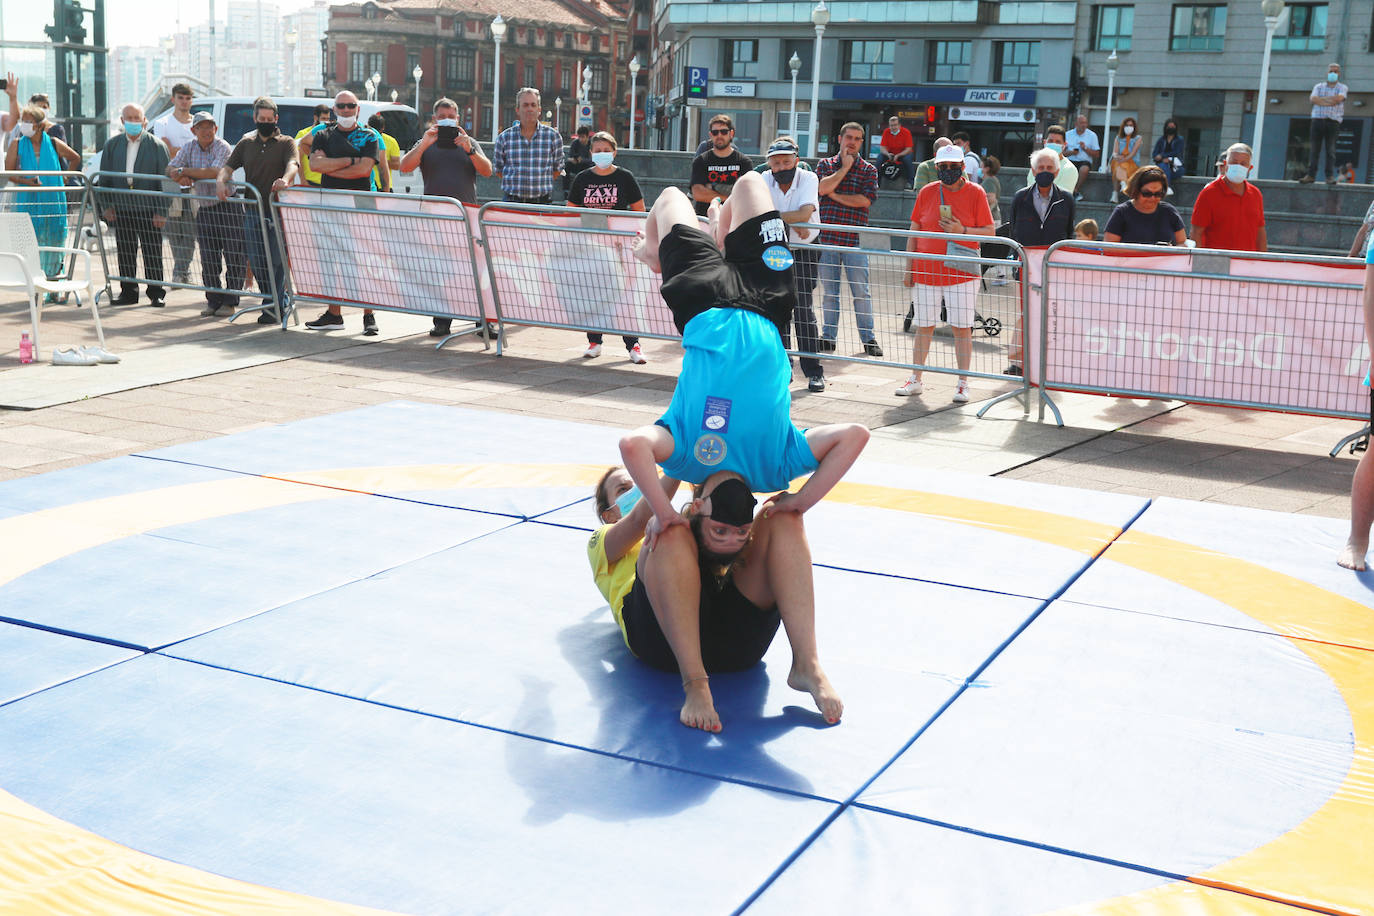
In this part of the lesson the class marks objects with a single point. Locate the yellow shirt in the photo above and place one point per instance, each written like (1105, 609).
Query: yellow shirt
(614, 580)
(393, 151)
(308, 174)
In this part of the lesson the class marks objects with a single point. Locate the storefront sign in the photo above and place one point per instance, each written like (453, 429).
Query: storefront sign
(966, 113)
(721, 90)
(933, 94)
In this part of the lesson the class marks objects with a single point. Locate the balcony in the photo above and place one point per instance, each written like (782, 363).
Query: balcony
(677, 15)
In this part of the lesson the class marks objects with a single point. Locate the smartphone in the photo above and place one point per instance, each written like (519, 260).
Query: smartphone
(4, 84)
(946, 211)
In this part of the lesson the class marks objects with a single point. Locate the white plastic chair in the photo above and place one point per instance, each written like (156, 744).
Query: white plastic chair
(19, 269)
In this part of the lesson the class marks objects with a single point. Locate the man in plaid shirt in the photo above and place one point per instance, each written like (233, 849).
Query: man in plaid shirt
(529, 155)
(1328, 111)
(849, 185)
(219, 224)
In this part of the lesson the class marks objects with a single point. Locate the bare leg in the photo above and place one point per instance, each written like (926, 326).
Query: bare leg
(963, 349)
(778, 571)
(671, 578)
(672, 208)
(1361, 515)
(920, 346)
(748, 198)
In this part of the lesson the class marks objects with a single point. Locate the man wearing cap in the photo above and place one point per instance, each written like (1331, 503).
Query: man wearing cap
(707, 593)
(219, 225)
(796, 197)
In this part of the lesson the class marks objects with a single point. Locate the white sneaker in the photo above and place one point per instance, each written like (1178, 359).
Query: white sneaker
(912, 386)
(961, 392)
(592, 351)
(637, 355)
(101, 354)
(72, 356)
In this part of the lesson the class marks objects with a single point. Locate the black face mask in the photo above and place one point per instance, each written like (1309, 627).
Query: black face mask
(1170, 130)
(266, 130)
(1044, 179)
(447, 136)
(785, 176)
(951, 176)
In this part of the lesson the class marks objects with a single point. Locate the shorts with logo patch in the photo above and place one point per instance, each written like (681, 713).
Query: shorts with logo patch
(735, 632)
(754, 273)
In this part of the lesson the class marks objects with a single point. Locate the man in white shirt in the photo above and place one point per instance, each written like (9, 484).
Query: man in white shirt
(174, 129)
(1083, 151)
(796, 195)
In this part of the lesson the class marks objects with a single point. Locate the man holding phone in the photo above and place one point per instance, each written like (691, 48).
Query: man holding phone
(450, 161)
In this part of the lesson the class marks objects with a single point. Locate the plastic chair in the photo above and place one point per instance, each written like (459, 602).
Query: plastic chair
(19, 269)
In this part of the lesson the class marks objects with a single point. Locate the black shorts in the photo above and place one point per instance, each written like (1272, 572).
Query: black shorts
(697, 276)
(735, 632)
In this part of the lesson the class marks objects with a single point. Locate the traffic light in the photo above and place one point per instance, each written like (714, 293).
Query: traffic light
(68, 24)
(930, 115)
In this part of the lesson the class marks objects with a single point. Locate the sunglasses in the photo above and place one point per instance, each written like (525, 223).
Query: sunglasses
(345, 106)
(1151, 194)
(719, 133)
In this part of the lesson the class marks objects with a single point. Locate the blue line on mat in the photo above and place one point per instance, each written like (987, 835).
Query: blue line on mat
(851, 800)
(89, 637)
(34, 693)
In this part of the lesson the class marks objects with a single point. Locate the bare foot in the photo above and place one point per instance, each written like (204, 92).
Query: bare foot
(717, 229)
(1352, 557)
(699, 710)
(818, 685)
(642, 251)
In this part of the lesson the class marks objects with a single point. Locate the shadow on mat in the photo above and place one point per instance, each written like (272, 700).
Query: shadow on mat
(638, 709)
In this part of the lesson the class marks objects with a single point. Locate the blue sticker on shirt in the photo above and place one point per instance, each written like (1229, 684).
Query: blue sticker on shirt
(716, 416)
(710, 450)
(777, 257)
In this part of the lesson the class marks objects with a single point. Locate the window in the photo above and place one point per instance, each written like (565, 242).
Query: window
(1302, 28)
(488, 73)
(620, 51)
(1197, 28)
(1112, 27)
(1017, 62)
(529, 75)
(741, 59)
(357, 67)
(1011, 12)
(599, 68)
(805, 50)
(868, 60)
(412, 61)
(948, 61)
(508, 77)
(458, 67)
(565, 77)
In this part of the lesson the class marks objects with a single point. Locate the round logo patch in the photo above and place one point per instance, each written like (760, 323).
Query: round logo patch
(710, 449)
(777, 257)
(715, 421)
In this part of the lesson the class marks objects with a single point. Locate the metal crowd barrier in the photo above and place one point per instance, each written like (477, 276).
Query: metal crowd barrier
(1253, 330)
(203, 243)
(62, 216)
(390, 252)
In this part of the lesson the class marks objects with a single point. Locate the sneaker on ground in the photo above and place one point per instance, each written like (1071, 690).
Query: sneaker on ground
(912, 386)
(369, 325)
(816, 383)
(1013, 369)
(961, 392)
(592, 351)
(100, 354)
(267, 316)
(637, 355)
(1307, 179)
(327, 321)
(72, 356)
(825, 345)
(872, 349)
(210, 311)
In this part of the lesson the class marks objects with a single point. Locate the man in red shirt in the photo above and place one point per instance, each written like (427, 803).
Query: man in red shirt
(957, 206)
(1229, 212)
(898, 145)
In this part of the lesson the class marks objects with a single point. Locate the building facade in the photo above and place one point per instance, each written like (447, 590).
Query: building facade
(548, 45)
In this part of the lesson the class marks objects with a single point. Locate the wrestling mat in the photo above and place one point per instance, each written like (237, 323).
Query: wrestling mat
(358, 663)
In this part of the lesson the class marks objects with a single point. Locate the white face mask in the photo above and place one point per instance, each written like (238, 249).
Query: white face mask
(1236, 173)
(26, 128)
(446, 122)
(603, 160)
(347, 123)
(1128, 130)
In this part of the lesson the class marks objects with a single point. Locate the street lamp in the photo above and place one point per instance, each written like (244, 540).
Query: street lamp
(376, 85)
(394, 93)
(1273, 11)
(558, 116)
(498, 32)
(367, 87)
(820, 18)
(634, 100)
(417, 73)
(795, 66)
(587, 90)
(1112, 63)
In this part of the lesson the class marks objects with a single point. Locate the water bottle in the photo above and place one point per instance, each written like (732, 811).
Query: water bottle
(25, 348)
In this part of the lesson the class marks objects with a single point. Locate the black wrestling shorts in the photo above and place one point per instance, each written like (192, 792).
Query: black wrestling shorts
(754, 273)
(735, 632)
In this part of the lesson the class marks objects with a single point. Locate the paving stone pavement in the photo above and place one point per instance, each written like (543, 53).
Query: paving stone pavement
(221, 380)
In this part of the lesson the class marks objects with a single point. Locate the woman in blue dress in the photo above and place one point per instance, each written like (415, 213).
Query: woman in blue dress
(35, 151)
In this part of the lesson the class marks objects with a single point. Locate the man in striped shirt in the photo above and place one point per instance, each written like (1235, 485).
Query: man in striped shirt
(529, 155)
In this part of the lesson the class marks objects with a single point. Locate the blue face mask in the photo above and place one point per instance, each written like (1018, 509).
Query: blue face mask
(1057, 147)
(627, 501)
(133, 128)
(1332, 77)
(603, 160)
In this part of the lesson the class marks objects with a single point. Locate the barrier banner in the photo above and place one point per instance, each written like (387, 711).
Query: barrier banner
(573, 270)
(381, 251)
(1279, 334)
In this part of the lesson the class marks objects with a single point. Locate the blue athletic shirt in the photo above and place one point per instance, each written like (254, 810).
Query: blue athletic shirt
(731, 410)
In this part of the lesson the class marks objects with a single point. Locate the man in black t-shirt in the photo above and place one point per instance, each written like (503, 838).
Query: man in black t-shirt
(715, 171)
(579, 157)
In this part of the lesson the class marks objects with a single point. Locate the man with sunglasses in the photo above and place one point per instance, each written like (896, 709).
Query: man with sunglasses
(715, 171)
(344, 154)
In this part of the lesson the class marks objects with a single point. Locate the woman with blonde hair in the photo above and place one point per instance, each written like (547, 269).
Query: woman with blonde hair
(1125, 155)
(35, 151)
